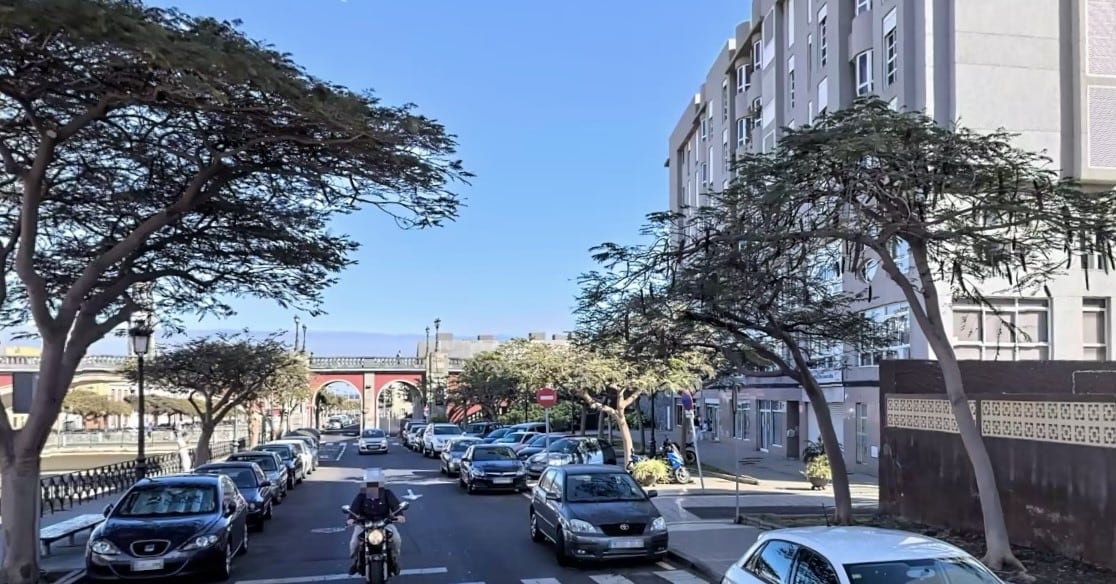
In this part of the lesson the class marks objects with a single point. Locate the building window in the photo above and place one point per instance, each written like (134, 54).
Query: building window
(1094, 329)
(726, 154)
(863, 6)
(757, 55)
(1004, 329)
(724, 100)
(823, 40)
(862, 72)
(790, 83)
(861, 433)
(790, 23)
(704, 173)
(896, 319)
(891, 52)
(743, 419)
(741, 132)
(772, 423)
(704, 129)
(743, 78)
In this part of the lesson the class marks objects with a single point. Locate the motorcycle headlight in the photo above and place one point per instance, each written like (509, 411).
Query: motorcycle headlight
(659, 524)
(200, 542)
(374, 537)
(103, 547)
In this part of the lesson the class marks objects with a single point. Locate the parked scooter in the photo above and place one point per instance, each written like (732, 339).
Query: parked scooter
(675, 463)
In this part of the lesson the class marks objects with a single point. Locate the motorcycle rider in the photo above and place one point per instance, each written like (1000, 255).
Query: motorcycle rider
(374, 503)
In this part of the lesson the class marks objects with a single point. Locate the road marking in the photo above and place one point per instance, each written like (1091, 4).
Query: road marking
(301, 580)
(329, 530)
(665, 566)
(411, 496)
(610, 579)
(418, 571)
(342, 453)
(679, 577)
(542, 581)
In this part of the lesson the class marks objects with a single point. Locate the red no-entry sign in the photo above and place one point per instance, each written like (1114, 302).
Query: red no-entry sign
(546, 397)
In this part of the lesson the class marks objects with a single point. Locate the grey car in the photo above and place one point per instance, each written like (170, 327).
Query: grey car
(452, 453)
(572, 450)
(273, 467)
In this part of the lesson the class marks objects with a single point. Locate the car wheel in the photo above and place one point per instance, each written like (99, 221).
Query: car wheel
(560, 549)
(470, 487)
(536, 534)
(224, 569)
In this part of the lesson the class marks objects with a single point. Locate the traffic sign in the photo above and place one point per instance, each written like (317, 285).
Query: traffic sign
(687, 401)
(546, 397)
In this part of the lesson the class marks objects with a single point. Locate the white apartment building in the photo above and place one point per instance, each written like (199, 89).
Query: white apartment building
(1045, 69)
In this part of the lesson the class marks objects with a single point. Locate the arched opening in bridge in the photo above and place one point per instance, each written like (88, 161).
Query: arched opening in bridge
(337, 398)
(398, 400)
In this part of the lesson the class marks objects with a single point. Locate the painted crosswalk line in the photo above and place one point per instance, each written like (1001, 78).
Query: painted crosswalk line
(672, 576)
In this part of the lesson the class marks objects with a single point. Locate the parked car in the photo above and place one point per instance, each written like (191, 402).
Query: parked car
(434, 438)
(315, 436)
(454, 450)
(572, 450)
(491, 466)
(851, 555)
(288, 453)
(309, 457)
(309, 442)
(413, 436)
(495, 435)
(596, 512)
(529, 427)
(170, 527)
(479, 429)
(253, 484)
(536, 444)
(272, 466)
(373, 440)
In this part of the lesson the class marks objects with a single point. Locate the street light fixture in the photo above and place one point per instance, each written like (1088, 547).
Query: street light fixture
(139, 333)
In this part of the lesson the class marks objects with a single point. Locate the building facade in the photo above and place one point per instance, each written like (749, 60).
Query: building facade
(1041, 68)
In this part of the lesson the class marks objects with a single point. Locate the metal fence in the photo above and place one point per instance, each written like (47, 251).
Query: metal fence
(79, 442)
(64, 491)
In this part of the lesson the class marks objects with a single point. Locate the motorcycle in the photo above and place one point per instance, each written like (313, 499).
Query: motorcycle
(678, 471)
(374, 556)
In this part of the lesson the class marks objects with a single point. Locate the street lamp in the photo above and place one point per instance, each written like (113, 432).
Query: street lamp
(437, 326)
(140, 336)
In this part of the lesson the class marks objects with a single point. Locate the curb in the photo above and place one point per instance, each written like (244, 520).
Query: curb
(742, 479)
(694, 564)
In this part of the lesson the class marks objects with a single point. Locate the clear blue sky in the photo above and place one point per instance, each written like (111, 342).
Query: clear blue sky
(562, 109)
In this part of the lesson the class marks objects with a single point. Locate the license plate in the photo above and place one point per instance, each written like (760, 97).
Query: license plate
(501, 481)
(147, 565)
(627, 543)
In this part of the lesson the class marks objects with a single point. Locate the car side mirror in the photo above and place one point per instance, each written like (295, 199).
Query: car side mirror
(651, 494)
(265, 484)
(108, 509)
(553, 497)
(230, 508)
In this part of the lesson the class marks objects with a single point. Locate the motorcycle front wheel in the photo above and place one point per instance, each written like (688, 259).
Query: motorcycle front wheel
(375, 572)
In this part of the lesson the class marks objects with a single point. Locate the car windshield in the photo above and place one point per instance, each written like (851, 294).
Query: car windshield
(167, 500)
(512, 438)
(933, 571)
(494, 454)
(597, 487)
(417, 429)
(243, 477)
(462, 445)
(265, 462)
(284, 453)
(373, 434)
(540, 441)
(475, 428)
(446, 430)
(565, 446)
(496, 433)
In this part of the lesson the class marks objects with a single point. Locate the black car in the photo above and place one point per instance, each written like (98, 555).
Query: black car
(595, 511)
(172, 526)
(296, 471)
(480, 429)
(272, 466)
(491, 466)
(253, 485)
(537, 444)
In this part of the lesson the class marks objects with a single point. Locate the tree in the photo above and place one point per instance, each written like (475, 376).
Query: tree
(290, 388)
(217, 375)
(87, 404)
(974, 214)
(487, 380)
(142, 146)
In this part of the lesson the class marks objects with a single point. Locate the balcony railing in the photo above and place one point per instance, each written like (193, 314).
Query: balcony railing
(115, 362)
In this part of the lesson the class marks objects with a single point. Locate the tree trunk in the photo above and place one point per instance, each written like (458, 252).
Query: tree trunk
(584, 419)
(625, 436)
(20, 515)
(202, 452)
(842, 495)
(255, 426)
(642, 430)
(600, 425)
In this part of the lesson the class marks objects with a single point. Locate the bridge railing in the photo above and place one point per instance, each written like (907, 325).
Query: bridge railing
(115, 362)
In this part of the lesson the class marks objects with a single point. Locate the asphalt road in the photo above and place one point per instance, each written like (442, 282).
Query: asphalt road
(449, 537)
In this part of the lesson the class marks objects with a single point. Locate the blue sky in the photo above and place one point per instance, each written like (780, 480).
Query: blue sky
(562, 109)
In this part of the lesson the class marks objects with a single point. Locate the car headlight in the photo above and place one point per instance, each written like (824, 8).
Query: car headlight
(522, 470)
(253, 506)
(579, 526)
(200, 542)
(477, 472)
(103, 547)
(375, 537)
(659, 524)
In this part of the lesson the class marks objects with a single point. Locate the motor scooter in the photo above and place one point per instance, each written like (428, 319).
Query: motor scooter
(375, 556)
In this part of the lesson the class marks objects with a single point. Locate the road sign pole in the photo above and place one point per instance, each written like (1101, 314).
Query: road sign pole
(697, 452)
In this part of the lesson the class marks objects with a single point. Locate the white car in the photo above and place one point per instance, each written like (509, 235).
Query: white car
(854, 555)
(372, 440)
(309, 461)
(434, 437)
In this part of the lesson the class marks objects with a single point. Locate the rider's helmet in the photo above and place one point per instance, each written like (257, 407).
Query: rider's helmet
(373, 477)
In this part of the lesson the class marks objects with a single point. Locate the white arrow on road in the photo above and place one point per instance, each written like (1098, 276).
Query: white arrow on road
(411, 495)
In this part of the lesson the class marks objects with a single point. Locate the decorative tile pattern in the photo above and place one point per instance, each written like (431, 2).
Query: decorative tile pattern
(1078, 423)
(930, 414)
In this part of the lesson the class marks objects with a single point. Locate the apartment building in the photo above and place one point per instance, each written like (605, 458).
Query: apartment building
(1045, 69)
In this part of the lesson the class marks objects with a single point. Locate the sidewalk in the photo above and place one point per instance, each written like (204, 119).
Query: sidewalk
(65, 558)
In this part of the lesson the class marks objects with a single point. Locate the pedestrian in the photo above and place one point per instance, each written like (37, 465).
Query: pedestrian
(699, 429)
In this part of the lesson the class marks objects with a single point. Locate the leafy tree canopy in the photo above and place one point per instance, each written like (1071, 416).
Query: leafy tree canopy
(89, 405)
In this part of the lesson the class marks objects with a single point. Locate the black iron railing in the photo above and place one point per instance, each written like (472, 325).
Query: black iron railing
(65, 491)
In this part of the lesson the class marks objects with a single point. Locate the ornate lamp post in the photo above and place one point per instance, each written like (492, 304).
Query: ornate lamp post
(140, 336)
